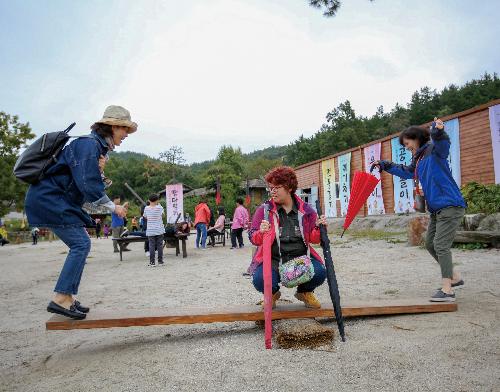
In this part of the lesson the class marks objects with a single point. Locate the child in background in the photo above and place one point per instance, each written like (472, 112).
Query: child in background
(155, 229)
(106, 230)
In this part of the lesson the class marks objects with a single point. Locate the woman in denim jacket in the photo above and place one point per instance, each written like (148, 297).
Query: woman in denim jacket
(56, 201)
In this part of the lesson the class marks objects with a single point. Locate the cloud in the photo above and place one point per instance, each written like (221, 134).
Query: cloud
(248, 73)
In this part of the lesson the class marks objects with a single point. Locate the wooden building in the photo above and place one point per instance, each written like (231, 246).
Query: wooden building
(476, 159)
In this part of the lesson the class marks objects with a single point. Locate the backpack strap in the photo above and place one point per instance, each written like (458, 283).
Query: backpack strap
(69, 128)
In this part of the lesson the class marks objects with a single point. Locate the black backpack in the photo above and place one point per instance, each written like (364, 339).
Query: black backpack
(40, 155)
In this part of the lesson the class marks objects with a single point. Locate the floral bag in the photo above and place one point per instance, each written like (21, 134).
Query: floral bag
(296, 271)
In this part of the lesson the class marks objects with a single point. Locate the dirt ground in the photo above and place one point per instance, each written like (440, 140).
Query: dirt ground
(457, 351)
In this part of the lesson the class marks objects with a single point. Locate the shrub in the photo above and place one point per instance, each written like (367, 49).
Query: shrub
(482, 198)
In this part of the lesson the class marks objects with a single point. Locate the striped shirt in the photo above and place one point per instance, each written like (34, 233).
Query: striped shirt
(155, 221)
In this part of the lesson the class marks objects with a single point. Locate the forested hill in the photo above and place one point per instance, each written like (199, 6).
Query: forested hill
(344, 129)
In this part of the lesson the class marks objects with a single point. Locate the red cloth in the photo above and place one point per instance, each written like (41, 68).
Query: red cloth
(268, 289)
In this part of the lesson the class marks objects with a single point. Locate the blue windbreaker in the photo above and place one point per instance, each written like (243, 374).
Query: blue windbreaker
(433, 172)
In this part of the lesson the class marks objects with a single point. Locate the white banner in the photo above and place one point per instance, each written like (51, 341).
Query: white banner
(175, 202)
(375, 201)
(452, 128)
(403, 188)
(495, 139)
(329, 196)
(344, 163)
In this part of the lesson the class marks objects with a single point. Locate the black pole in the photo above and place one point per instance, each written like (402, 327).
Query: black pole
(330, 273)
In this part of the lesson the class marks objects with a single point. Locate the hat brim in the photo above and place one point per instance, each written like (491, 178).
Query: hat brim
(132, 126)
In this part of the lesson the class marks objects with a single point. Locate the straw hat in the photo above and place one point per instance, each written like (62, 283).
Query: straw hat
(118, 115)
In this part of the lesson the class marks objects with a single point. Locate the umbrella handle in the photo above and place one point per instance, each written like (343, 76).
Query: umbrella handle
(332, 280)
(375, 165)
(267, 276)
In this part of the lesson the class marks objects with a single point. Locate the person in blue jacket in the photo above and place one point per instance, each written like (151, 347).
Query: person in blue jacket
(431, 172)
(56, 201)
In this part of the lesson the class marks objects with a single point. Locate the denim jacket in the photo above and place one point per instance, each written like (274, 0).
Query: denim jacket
(57, 200)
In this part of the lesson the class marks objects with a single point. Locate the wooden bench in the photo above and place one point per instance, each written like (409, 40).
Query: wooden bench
(143, 318)
(173, 241)
(217, 238)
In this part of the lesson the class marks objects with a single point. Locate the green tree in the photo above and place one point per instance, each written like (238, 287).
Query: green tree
(329, 7)
(174, 157)
(257, 168)
(343, 129)
(13, 137)
(228, 167)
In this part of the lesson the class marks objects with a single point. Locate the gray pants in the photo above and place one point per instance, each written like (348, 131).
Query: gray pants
(116, 232)
(155, 242)
(440, 234)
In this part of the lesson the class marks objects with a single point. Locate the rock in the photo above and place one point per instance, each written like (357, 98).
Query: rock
(472, 221)
(389, 222)
(490, 223)
(484, 237)
(417, 227)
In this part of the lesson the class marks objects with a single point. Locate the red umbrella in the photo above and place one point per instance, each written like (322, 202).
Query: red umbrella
(363, 185)
(268, 281)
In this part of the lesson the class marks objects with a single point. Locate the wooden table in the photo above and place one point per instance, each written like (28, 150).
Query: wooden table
(173, 241)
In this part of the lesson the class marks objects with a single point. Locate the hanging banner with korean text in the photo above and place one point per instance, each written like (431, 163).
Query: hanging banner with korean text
(329, 195)
(375, 201)
(344, 163)
(452, 128)
(175, 203)
(403, 188)
(494, 112)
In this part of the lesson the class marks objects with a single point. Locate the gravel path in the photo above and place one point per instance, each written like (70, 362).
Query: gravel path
(445, 352)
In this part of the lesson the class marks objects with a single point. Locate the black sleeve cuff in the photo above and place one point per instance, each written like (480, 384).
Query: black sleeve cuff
(438, 134)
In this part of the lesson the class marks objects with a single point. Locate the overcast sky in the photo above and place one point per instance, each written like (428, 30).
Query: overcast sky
(249, 73)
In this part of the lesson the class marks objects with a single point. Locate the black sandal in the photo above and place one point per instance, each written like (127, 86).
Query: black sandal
(72, 312)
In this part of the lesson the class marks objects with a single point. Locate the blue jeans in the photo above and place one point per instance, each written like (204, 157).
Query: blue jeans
(317, 280)
(201, 231)
(78, 242)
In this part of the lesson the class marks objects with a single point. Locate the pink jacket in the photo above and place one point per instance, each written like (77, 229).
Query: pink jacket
(240, 218)
(219, 224)
(307, 221)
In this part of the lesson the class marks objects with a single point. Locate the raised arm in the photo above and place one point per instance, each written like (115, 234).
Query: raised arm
(440, 139)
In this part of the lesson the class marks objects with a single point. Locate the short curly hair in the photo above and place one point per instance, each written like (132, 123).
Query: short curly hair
(284, 176)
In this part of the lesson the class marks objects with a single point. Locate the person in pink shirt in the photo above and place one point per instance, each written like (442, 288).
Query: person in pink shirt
(218, 227)
(240, 223)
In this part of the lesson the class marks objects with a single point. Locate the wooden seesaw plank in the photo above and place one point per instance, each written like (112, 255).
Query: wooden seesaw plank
(148, 317)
